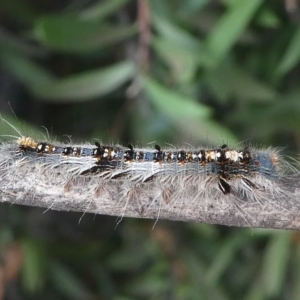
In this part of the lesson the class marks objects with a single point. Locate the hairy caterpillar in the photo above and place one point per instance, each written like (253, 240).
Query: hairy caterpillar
(147, 181)
(144, 165)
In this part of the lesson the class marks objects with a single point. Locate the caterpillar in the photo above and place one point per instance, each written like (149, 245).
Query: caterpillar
(148, 182)
(147, 164)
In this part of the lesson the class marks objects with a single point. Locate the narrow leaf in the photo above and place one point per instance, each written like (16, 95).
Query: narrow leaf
(230, 27)
(33, 271)
(75, 35)
(86, 86)
(172, 104)
(291, 56)
(190, 117)
(101, 10)
(275, 265)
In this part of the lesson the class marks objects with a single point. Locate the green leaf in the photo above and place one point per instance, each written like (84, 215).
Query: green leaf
(192, 119)
(172, 104)
(33, 269)
(229, 28)
(81, 87)
(268, 18)
(181, 40)
(196, 266)
(291, 56)
(229, 80)
(295, 274)
(88, 85)
(224, 258)
(76, 35)
(27, 71)
(190, 6)
(66, 282)
(275, 263)
(174, 33)
(183, 61)
(101, 10)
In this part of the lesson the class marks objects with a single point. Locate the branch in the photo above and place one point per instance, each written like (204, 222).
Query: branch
(146, 200)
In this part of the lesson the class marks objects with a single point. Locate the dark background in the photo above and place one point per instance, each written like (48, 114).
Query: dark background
(195, 71)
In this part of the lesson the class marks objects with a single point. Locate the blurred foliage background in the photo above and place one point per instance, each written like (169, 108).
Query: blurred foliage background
(195, 71)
